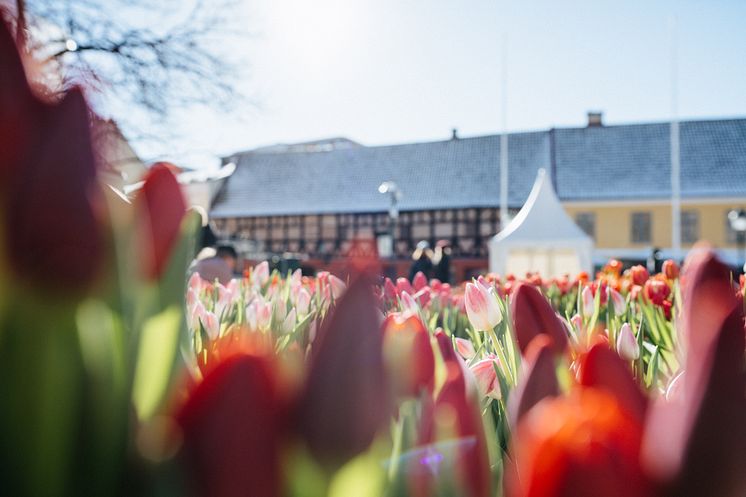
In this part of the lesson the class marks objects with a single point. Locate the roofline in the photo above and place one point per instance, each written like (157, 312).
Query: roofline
(475, 137)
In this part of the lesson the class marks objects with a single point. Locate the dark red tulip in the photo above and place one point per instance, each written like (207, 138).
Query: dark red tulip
(538, 380)
(48, 172)
(602, 368)
(232, 428)
(160, 208)
(533, 315)
(345, 400)
(657, 291)
(697, 441)
(639, 275)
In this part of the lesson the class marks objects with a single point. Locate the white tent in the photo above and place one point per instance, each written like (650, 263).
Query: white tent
(541, 237)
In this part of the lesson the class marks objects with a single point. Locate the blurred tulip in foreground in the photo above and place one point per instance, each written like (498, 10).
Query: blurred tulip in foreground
(345, 400)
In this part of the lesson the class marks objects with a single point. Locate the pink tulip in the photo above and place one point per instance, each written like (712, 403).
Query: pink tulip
(260, 274)
(626, 344)
(195, 282)
(389, 290)
(484, 372)
(588, 302)
(420, 281)
(482, 308)
(211, 323)
(403, 285)
(337, 286)
(465, 348)
(303, 302)
(617, 301)
(289, 323)
(408, 303)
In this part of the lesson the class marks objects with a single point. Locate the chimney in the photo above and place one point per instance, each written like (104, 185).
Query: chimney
(595, 119)
(454, 134)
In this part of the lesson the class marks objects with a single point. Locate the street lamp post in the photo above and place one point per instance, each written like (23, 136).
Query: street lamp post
(737, 220)
(391, 188)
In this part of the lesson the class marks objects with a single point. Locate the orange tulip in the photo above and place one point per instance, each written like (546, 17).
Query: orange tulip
(408, 354)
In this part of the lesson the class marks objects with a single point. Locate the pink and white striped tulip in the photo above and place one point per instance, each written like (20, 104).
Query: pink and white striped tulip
(617, 301)
(482, 308)
(260, 274)
(408, 303)
(486, 377)
(465, 348)
(588, 301)
(626, 344)
(303, 302)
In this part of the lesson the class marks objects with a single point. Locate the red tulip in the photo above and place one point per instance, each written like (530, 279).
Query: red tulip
(232, 424)
(603, 368)
(160, 208)
(345, 400)
(408, 354)
(670, 269)
(403, 285)
(639, 275)
(582, 445)
(657, 291)
(48, 175)
(538, 379)
(533, 315)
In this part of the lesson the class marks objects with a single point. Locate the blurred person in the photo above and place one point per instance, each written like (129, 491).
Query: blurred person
(422, 257)
(442, 261)
(219, 266)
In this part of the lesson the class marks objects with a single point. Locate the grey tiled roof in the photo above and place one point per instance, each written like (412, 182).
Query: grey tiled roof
(602, 163)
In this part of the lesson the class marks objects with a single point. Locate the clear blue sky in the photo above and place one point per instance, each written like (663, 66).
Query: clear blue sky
(392, 71)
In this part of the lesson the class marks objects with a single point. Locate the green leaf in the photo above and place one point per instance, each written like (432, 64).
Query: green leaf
(155, 360)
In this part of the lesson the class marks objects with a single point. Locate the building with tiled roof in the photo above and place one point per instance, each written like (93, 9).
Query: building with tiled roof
(614, 180)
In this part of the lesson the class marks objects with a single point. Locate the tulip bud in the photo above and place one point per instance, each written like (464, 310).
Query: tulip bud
(588, 302)
(626, 344)
(670, 269)
(420, 281)
(232, 427)
(533, 315)
(639, 275)
(482, 307)
(486, 376)
(289, 323)
(389, 290)
(211, 324)
(303, 302)
(345, 399)
(657, 291)
(465, 348)
(338, 286)
(260, 274)
(403, 285)
(408, 303)
(408, 353)
(617, 301)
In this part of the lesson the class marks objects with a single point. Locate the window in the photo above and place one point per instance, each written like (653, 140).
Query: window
(587, 222)
(641, 224)
(731, 234)
(689, 226)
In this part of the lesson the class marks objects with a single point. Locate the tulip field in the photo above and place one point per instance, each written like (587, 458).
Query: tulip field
(123, 374)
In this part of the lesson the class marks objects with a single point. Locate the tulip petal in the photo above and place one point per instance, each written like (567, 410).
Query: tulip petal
(345, 399)
(52, 229)
(533, 315)
(160, 207)
(231, 425)
(602, 368)
(539, 379)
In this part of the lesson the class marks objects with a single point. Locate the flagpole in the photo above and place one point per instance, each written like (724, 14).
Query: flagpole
(504, 138)
(675, 150)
